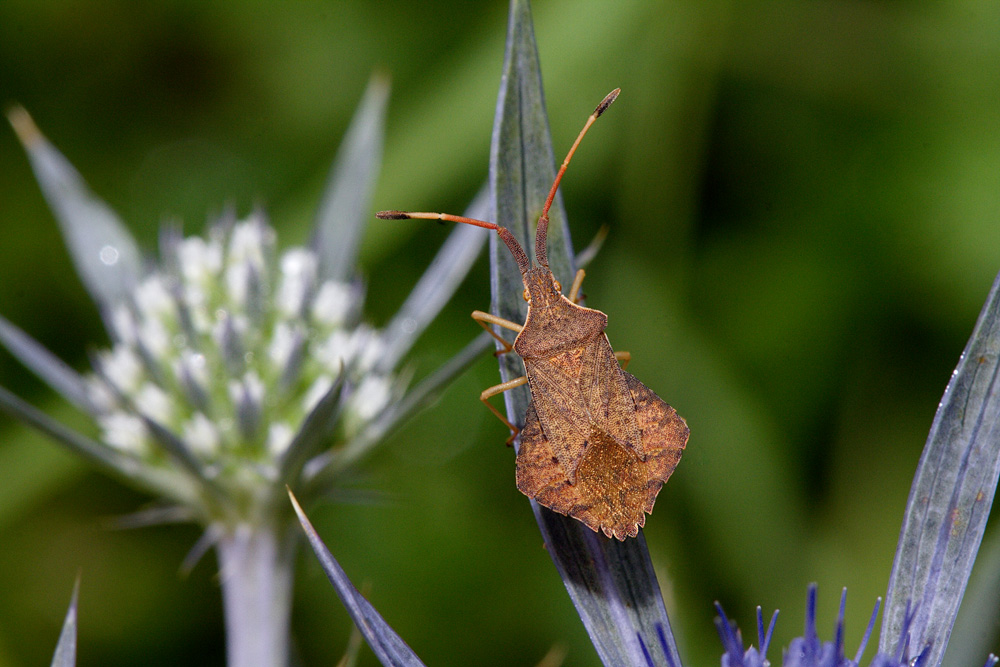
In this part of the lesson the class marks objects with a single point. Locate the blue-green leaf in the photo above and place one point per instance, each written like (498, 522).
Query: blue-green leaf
(950, 498)
(45, 365)
(383, 640)
(180, 452)
(346, 205)
(974, 634)
(611, 583)
(323, 467)
(313, 433)
(106, 256)
(65, 655)
(105, 457)
(129, 469)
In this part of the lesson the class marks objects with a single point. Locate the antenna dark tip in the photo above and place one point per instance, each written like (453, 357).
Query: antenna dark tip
(606, 102)
(392, 215)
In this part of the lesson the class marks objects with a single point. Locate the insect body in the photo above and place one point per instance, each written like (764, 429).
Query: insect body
(597, 444)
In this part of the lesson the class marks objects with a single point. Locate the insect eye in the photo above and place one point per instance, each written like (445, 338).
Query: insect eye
(525, 295)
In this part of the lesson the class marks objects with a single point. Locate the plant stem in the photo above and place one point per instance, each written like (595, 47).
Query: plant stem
(256, 567)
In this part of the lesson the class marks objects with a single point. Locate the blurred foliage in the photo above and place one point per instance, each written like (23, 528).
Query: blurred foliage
(803, 199)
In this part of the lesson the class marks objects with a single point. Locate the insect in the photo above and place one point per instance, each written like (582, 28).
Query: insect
(597, 444)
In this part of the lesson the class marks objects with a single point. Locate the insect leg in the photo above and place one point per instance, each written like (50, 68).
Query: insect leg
(499, 389)
(574, 289)
(486, 319)
(623, 357)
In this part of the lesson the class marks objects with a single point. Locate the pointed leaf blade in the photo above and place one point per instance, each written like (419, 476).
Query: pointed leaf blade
(79, 444)
(129, 469)
(521, 173)
(65, 655)
(321, 469)
(346, 204)
(611, 583)
(383, 640)
(316, 427)
(951, 496)
(180, 452)
(972, 637)
(615, 591)
(45, 365)
(105, 254)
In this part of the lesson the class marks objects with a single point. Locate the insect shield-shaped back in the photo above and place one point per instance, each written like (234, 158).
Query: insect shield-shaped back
(597, 444)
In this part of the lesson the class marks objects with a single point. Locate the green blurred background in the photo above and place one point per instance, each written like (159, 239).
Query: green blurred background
(803, 200)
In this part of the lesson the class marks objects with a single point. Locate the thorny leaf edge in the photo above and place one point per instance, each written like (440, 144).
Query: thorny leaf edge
(950, 498)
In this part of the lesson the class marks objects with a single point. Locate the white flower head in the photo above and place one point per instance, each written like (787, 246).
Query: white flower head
(153, 402)
(229, 354)
(200, 260)
(208, 352)
(123, 368)
(154, 300)
(371, 397)
(126, 432)
(333, 304)
(279, 437)
(202, 435)
(297, 282)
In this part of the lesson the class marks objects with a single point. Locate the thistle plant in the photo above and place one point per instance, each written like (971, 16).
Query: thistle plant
(237, 369)
(286, 388)
(810, 651)
(612, 584)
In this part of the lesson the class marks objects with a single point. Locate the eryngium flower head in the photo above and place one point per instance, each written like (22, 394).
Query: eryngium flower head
(230, 345)
(236, 369)
(809, 651)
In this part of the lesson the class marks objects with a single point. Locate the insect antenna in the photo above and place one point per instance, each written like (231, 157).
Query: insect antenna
(523, 263)
(541, 252)
(521, 257)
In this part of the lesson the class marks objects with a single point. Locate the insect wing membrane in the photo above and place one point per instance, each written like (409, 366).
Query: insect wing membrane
(558, 404)
(604, 387)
